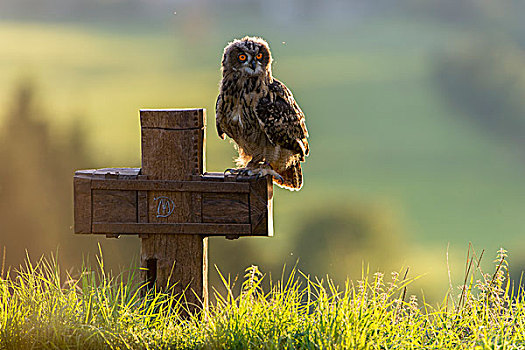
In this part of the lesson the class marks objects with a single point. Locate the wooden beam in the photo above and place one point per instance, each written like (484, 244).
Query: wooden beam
(175, 186)
(173, 149)
(173, 119)
(82, 207)
(171, 228)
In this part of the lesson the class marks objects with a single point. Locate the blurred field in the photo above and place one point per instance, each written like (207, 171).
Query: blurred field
(382, 135)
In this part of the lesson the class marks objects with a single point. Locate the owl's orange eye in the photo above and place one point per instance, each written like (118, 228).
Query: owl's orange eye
(242, 57)
(259, 56)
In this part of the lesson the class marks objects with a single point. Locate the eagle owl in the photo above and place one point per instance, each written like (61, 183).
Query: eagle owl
(260, 114)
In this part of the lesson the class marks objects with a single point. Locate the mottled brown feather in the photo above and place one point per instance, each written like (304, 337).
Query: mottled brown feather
(282, 119)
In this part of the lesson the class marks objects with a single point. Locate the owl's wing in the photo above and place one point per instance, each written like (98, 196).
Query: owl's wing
(218, 117)
(282, 120)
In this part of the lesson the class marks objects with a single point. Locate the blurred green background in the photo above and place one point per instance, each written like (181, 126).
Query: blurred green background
(416, 112)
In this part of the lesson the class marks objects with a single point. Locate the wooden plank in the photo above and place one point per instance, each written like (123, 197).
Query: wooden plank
(142, 206)
(168, 229)
(172, 149)
(196, 213)
(142, 210)
(208, 207)
(114, 206)
(214, 176)
(225, 208)
(124, 173)
(84, 173)
(172, 186)
(261, 196)
(82, 199)
(173, 119)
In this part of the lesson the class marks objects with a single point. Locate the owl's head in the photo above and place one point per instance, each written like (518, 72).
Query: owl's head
(250, 56)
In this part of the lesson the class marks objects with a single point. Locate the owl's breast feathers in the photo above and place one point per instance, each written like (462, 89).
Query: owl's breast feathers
(282, 119)
(218, 117)
(235, 107)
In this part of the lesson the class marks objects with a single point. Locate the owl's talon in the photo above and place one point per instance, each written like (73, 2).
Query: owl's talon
(242, 172)
(279, 178)
(239, 172)
(231, 171)
(257, 173)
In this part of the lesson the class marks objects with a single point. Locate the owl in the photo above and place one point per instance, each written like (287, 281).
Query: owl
(260, 115)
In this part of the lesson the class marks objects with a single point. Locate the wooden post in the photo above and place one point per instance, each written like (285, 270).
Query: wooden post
(172, 203)
(173, 149)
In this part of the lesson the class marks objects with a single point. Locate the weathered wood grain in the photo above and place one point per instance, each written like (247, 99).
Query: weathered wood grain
(225, 208)
(142, 206)
(170, 151)
(171, 228)
(261, 195)
(175, 119)
(114, 206)
(82, 206)
(121, 195)
(166, 185)
(122, 173)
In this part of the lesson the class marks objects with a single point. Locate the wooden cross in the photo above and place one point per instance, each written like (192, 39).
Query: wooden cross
(172, 203)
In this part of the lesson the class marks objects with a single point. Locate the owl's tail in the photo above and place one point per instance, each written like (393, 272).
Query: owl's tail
(292, 177)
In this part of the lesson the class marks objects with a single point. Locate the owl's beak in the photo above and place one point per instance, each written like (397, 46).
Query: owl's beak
(252, 64)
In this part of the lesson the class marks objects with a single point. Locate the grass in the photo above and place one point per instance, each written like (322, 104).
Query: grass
(41, 310)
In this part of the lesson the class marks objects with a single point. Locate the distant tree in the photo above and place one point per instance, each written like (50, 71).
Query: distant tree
(29, 181)
(36, 175)
(487, 81)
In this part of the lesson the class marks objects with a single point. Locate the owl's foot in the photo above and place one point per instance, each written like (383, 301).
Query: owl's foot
(237, 171)
(257, 172)
(262, 172)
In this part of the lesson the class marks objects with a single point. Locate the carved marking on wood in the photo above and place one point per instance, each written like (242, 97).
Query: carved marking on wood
(165, 206)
